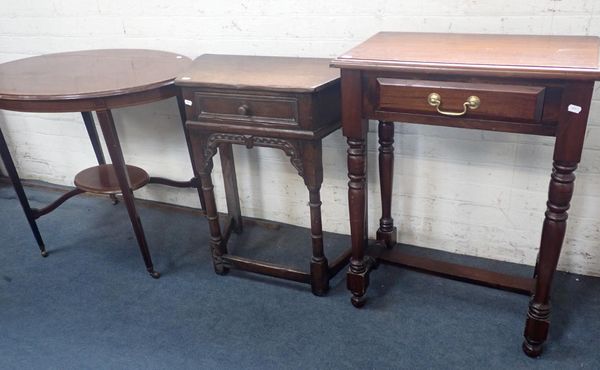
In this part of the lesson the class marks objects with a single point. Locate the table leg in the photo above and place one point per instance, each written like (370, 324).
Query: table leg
(231, 190)
(386, 234)
(312, 174)
(183, 115)
(88, 120)
(355, 130)
(109, 131)
(204, 166)
(567, 153)
(18, 186)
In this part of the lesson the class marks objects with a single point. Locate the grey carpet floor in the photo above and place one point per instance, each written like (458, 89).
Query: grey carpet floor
(91, 305)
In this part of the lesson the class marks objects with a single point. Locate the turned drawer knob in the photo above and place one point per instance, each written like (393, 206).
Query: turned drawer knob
(435, 100)
(244, 110)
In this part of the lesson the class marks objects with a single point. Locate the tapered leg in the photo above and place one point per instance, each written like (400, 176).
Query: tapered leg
(313, 178)
(114, 149)
(14, 178)
(567, 153)
(386, 234)
(204, 168)
(183, 114)
(231, 189)
(88, 120)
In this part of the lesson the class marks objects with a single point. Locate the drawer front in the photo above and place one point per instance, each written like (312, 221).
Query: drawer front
(246, 108)
(518, 103)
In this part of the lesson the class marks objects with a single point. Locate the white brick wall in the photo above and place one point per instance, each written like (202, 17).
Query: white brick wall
(471, 192)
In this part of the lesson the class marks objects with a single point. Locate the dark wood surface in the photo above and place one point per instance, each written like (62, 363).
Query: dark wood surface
(102, 179)
(247, 72)
(284, 103)
(530, 84)
(477, 54)
(89, 74)
(411, 96)
(88, 81)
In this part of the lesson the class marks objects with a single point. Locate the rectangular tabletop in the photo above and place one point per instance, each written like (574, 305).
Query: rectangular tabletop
(259, 73)
(539, 56)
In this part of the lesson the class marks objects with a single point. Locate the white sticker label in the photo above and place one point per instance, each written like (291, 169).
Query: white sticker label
(188, 102)
(186, 78)
(574, 108)
(179, 57)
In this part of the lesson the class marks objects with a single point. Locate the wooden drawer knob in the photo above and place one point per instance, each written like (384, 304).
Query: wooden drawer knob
(244, 110)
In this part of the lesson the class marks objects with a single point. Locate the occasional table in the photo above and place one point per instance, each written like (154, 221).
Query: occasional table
(86, 82)
(284, 103)
(538, 85)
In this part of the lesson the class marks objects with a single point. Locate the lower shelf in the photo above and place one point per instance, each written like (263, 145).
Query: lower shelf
(102, 179)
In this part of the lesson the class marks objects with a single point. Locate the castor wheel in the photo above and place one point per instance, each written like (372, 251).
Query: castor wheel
(114, 199)
(44, 253)
(358, 302)
(532, 350)
(154, 274)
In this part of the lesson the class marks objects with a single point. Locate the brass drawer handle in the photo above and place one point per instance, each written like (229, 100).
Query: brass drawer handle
(436, 100)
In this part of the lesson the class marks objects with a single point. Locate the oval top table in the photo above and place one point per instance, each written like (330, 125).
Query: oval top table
(93, 81)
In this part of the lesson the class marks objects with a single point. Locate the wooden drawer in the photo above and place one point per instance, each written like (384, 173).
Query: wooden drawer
(518, 103)
(246, 108)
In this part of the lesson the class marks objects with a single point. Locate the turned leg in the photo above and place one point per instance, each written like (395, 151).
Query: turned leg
(88, 120)
(358, 272)
(567, 153)
(18, 186)
(553, 232)
(386, 234)
(109, 131)
(183, 114)
(231, 190)
(313, 178)
(204, 166)
(354, 128)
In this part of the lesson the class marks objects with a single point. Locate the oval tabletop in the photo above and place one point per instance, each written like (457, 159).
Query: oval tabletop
(89, 74)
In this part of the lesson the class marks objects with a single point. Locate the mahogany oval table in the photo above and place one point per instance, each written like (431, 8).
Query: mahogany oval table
(93, 81)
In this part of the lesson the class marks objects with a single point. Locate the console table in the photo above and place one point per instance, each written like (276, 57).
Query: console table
(538, 85)
(87, 81)
(276, 102)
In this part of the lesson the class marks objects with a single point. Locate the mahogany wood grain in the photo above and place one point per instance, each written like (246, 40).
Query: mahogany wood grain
(102, 179)
(266, 268)
(517, 284)
(89, 74)
(259, 73)
(477, 54)
(498, 102)
(247, 108)
(88, 81)
(387, 231)
(283, 103)
(539, 85)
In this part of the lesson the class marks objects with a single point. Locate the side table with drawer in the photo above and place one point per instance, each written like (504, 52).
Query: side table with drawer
(277, 102)
(539, 85)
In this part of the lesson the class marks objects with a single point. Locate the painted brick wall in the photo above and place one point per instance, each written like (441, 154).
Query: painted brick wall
(471, 192)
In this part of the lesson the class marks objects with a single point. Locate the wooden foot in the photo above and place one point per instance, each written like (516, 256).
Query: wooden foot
(387, 238)
(319, 276)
